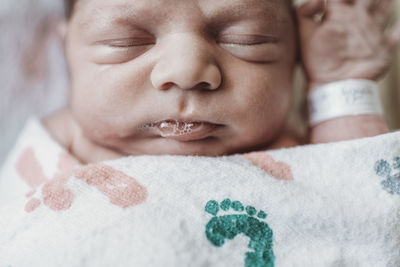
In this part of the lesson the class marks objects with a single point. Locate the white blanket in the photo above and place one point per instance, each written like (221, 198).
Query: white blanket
(332, 204)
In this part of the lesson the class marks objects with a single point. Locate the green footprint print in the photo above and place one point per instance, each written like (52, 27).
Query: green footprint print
(392, 174)
(221, 228)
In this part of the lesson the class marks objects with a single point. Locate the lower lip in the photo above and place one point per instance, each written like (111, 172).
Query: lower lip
(185, 131)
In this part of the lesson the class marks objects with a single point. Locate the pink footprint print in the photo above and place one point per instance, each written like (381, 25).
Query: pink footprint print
(279, 170)
(122, 190)
(30, 169)
(54, 194)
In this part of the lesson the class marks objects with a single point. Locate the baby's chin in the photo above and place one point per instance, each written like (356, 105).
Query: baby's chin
(210, 147)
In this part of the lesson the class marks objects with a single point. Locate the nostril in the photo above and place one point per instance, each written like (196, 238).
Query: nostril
(166, 86)
(199, 86)
(204, 85)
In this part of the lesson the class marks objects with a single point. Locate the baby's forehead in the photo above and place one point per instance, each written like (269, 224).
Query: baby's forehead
(161, 5)
(164, 10)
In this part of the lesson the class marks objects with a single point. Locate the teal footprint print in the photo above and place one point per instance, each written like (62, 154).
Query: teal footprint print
(392, 174)
(248, 222)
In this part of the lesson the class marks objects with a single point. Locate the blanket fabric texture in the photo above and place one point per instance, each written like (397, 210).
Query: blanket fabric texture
(335, 204)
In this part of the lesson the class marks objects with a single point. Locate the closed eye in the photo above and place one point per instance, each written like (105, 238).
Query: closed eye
(246, 40)
(254, 48)
(129, 42)
(121, 50)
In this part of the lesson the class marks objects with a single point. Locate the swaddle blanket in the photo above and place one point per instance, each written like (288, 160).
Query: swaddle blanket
(332, 204)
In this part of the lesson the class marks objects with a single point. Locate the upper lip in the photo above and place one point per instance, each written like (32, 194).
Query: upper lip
(179, 119)
(184, 121)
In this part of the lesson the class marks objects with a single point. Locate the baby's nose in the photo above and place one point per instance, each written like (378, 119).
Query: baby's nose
(186, 62)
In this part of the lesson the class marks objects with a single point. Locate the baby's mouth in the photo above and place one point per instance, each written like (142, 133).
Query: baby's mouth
(183, 130)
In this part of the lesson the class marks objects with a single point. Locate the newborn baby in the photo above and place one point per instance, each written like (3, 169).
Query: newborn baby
(210, 77)
(206, 77)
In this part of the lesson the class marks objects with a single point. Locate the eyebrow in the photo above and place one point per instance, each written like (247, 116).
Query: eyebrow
(240, 9)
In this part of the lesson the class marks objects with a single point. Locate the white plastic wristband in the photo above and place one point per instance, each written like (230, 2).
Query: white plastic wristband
(344, 98)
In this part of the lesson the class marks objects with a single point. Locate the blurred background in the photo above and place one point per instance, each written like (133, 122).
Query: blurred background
(34, 77)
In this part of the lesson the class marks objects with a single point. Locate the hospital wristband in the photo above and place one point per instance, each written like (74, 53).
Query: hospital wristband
(344, 98)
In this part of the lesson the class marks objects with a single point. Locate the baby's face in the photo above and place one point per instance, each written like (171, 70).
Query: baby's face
(181, 77)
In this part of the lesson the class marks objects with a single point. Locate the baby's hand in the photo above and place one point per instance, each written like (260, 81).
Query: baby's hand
(348, 42)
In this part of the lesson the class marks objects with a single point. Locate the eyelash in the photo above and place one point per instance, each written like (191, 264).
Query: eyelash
(247, 47)
(247, 40)
(236, 44)
(128, 43)
(233, 40)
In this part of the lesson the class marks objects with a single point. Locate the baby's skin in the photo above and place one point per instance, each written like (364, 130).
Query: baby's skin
(207, 77)
(350, 42)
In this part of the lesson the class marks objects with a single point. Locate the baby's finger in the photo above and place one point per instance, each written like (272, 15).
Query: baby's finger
(306, 14)
(309, 9)
(394, 37)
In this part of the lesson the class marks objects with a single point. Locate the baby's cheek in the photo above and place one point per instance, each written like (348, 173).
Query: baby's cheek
(269, 118)
(94, 123)
(102, 131)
